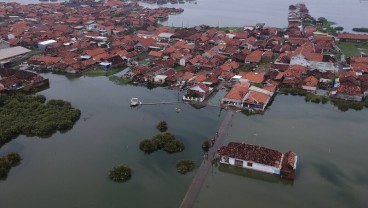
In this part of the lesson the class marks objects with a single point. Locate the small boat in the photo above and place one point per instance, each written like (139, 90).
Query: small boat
(134, 102)
(178, 110)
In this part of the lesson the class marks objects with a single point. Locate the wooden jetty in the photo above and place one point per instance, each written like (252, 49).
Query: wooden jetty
(164, 102)
(199, 178)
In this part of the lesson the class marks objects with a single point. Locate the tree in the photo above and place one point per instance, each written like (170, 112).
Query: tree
(174, 146)
(120, 173)
(162, 139)
(206, 145)
(13, 158)
(148, 146)
(339, 28)
(162, 126)
(185, 166)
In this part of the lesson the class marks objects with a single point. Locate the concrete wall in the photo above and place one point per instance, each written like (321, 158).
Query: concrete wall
(255, 166)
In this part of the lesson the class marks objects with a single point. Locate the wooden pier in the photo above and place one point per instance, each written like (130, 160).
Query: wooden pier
(164, 102)
(199, 178)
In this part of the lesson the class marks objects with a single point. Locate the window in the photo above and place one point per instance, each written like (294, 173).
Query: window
(249, 164)
(238, 163)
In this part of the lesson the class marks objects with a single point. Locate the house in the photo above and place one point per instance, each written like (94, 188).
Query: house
(44, 44)
(256, 101)
(349, 37)
(236, 95)
(8, 55)
(155, 54)
(4, 44)
(252, 77)
(254, 58)
(160, 79)
(198, 92)
(348, 88)
(259, 158)
(310, 84)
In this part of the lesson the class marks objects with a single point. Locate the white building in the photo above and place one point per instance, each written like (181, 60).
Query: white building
(43, 45)
(259, 158)
(160, 78)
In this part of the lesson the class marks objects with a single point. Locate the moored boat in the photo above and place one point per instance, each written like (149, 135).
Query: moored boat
(134, 102)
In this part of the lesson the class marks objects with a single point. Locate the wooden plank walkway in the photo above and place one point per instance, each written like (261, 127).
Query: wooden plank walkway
(164, 102)
(199, 178)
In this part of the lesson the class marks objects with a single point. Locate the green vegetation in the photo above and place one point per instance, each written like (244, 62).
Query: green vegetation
(257, 84)
(326, 26)
(352, 49)
(101, 72)
(360, 29)
(120, 80)
(292, 91)
(162, 126)
(33, 116)
(174, 146)
(178, 67)
(366, 102)
(165, 140)
(206, 145)
(244, 68)
(345, 105)
(339, 28)
(162, 139)
(316, 99)
(120, 173)
(231, 29)
(184, 166)
(7, 162)
(148, 146)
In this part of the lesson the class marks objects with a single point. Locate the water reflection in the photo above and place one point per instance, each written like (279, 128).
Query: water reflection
(270, 178)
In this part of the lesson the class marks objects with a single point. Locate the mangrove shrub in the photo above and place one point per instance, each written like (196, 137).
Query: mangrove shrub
(7, 162)
(32, 116)
(165, 140)
(184, 166)
(162, 126)
(120, 173)
(206, 145)
(148, 146)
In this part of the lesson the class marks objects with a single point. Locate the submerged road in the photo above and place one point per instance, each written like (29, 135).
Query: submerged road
(199, 178)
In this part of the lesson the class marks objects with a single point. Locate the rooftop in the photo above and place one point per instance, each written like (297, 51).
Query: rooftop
(252, 153)
(11, 52)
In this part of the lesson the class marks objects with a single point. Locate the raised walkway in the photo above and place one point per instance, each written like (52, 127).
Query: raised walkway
(199, 178)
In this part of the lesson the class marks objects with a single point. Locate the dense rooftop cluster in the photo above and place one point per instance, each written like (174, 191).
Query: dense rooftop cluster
(254, 60)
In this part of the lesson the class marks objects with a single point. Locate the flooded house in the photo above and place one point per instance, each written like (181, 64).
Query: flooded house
(259, 158)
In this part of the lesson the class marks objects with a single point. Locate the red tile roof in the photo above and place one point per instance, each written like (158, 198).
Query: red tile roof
(252, 153)
(254, 57)
(238, 92)
(310, 81)
(257, 98)
(253, 76)
(352, 36)
(155, 54)
(95, 52)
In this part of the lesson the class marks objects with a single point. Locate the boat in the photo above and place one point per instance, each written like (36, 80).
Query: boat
(178, 110)
(134, 102)
(260, 159)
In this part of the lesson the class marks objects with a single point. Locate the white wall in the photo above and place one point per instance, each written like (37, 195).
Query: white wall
(257, 166)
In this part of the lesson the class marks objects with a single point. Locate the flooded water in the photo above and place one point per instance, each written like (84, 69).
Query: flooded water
(71, 169)
(331, 148)
(229, 13)
(346, 13)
